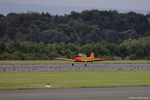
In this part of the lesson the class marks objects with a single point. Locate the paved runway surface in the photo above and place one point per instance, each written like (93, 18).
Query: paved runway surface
(112, 93)
(100, 67)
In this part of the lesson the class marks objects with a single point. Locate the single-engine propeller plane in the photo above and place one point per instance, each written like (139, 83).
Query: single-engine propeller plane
(82, 58)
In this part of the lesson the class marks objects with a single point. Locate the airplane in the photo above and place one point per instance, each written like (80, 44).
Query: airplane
(82, 58)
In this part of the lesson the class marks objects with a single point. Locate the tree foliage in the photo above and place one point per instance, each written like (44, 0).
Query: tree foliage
(130, 49)
(89, 26)
(32, 36)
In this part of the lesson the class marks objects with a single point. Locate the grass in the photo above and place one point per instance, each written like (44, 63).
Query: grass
(77, 79)
(37, 62)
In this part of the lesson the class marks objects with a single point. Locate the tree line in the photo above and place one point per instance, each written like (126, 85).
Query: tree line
(89, 26)
(131, 49)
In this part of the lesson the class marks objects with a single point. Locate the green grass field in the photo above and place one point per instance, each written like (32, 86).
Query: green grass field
(76, 79)
(36, 62)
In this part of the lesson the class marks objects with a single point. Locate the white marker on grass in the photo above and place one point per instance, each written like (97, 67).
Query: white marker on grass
(48, 86)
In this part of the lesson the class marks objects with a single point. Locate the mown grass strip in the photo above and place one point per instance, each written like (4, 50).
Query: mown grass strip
(37, 62)
(77, 79)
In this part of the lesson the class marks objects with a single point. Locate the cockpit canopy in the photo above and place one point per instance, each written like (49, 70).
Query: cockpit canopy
(81, 55)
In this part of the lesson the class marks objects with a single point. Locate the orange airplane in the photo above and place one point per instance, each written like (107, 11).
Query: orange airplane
(82, 58)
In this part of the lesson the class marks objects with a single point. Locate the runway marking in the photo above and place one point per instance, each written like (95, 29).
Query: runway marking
(67, 94)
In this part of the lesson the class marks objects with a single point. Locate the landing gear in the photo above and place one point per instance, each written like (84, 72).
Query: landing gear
(85, 63)
(72, 64)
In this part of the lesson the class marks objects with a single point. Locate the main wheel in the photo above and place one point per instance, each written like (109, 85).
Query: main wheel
(85, 64)
(72, 64)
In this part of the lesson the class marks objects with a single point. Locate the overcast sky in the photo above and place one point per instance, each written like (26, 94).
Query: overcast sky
(121, 4)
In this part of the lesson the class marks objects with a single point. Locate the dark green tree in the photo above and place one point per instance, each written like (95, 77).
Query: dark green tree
(2, 47)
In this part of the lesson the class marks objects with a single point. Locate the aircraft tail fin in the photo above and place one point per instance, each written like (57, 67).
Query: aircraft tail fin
(92, 55)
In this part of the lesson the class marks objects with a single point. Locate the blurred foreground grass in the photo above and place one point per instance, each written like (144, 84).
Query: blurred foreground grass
(76, 79)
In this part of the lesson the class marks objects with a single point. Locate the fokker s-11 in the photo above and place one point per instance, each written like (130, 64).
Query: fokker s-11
(82, 58)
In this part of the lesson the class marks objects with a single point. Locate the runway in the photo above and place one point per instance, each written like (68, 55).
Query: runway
(110, 93)
(107, 93)
(77, 67)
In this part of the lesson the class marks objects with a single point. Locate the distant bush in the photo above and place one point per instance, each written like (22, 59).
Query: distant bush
(133, 57)
(126, 58)
(116, 58)
(5, 56)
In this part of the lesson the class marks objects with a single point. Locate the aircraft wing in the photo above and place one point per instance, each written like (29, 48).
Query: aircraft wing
(101, 59)
(65, 59)
(92, 60)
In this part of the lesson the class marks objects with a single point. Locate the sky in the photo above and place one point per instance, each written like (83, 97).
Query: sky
(121, 4)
